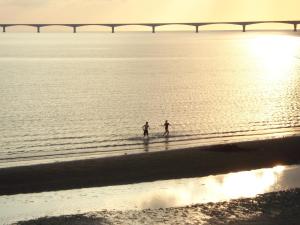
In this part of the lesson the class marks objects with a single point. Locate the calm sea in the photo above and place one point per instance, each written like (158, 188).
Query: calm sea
(69, 96)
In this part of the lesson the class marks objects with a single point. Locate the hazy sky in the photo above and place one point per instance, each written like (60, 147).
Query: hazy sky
(109, 11)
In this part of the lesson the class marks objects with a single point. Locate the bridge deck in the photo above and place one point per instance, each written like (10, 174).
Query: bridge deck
(153, 25)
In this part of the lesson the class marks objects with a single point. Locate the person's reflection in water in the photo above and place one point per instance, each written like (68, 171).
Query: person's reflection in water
(166, 143)
(146, 144)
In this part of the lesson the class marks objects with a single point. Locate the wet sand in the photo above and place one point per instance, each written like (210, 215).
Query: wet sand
(181, 163)
(277, 208)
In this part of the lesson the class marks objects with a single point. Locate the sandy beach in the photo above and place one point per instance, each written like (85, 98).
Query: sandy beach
(127, 169)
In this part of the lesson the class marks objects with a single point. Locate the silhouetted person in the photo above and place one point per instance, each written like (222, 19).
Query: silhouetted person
(166, 125)
(146, 128)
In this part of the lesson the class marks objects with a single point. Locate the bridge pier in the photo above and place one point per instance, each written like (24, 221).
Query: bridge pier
(197, 29)
(38, 29)
(153, 29)
(113, 29)
(295, 27)
(244, 28)
(4, 30)
(74, 30)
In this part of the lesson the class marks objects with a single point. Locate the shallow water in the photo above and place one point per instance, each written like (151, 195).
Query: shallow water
(68, 96)
(276, 208)
(152, 195)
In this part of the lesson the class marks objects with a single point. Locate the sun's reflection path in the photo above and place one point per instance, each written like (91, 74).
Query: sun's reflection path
(272, 62)
(249, 184)
(214, 188)
(275, 56)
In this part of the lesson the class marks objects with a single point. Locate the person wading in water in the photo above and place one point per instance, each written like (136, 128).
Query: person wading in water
(166, 125)
(145, 129)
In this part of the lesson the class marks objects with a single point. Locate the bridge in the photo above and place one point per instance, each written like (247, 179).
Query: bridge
(113, 26)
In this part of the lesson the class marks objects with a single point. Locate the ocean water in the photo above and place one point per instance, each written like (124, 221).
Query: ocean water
(67, 96)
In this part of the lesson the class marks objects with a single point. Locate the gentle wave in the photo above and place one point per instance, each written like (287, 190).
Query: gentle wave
(132, 144)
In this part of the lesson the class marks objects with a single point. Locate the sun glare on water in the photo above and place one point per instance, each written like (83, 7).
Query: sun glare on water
(216, 188)
(275, 55)
(249, 184)
(272, 68)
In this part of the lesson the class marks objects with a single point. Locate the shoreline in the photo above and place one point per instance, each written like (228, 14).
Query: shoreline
(151, 166)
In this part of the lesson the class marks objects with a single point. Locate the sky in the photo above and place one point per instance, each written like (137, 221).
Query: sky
(143, 11)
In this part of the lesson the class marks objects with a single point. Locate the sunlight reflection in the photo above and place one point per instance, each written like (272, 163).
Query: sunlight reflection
(245, 184)
(249, 184)
(274, 61)
(279, 169)
(275, 54)
(215, 188)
